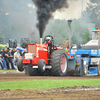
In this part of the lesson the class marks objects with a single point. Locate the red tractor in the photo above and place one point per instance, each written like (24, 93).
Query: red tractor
(44, 59)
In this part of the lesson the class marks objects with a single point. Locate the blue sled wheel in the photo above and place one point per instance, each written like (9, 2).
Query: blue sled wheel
(98, 70)
(85, 69)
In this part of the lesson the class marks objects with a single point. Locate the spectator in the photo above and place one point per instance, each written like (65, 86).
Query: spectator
(7, 48)
(13, 51)
(24, 45)
(4, 62)
(5, 55)
(10, 58)
(1, 63)
(68, 46)
(1, 52)
(17, 56)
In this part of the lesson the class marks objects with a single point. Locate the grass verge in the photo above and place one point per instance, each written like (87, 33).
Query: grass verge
(8, 70)
(48, 84)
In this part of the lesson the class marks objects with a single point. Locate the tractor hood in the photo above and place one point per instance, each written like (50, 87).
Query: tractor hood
(92, 43)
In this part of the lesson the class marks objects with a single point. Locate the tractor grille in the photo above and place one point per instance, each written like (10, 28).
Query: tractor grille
(32, 49)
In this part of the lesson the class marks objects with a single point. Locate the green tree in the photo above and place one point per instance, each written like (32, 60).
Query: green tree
(18, 22)
(86, 36)
(93, 11)
(59, 30)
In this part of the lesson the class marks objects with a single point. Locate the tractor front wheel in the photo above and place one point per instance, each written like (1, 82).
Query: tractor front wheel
(41, 65)
(59, 63)
(42, 68)
(31, 71)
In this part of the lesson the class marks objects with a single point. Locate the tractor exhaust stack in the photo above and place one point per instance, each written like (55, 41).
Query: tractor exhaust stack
(40, 40)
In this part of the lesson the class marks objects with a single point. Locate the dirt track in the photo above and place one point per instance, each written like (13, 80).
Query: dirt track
(57, 94)
(21, 76)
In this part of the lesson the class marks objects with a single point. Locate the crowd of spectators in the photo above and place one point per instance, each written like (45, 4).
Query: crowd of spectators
(9, 57)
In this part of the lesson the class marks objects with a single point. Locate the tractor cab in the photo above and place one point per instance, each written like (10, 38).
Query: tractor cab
(1, 41)
(2, 44)
(96, 36)
(50, 44)
(12, 43)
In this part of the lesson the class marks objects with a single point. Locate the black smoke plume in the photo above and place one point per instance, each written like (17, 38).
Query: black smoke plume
(45, 8)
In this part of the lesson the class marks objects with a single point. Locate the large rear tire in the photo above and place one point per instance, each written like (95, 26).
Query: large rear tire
(20, 65)
(59, 63)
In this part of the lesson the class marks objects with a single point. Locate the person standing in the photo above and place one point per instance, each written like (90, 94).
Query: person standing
(13, 51)
(7, 48)
(5, 55)
(1, 62)
(10, 58)
(24, 45)
(4, 62)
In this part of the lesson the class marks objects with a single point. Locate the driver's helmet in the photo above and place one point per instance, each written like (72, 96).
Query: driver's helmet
(48, 39)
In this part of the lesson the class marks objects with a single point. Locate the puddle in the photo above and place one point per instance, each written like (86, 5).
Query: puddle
(4, 72)
(81, 89)
(10, 72)
(67, 90)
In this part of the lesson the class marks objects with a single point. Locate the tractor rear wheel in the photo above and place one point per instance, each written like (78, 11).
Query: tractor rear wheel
(59, 63)
(20, 65)
(31, 71)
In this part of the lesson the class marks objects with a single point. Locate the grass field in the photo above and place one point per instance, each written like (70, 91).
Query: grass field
(48, 84)
(8, 70)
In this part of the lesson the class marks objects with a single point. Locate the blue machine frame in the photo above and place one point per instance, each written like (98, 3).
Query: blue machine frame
(90, 56)
(86, 55)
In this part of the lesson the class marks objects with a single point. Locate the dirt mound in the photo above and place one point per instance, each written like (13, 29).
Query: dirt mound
(71, 93)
